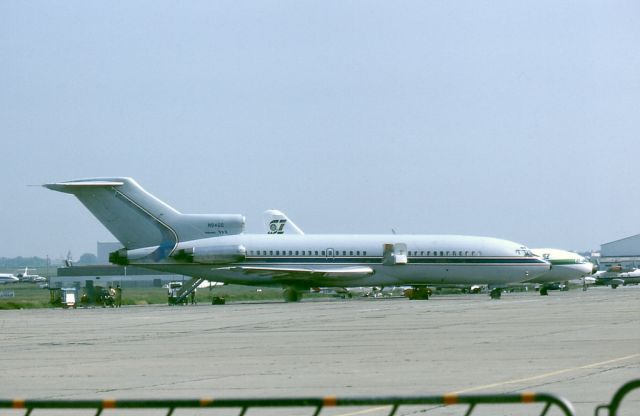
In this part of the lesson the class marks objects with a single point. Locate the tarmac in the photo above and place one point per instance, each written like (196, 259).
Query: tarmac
(582, 345)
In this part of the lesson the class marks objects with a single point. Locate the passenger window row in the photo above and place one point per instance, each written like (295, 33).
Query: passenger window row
(338, 253)
(443, 253)
(305, 253)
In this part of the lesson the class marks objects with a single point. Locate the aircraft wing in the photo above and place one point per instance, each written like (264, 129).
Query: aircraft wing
(309, 274)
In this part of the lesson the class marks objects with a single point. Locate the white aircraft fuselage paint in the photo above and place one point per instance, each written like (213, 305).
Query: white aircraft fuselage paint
(214, 247)
(565, 266)
(432, 259)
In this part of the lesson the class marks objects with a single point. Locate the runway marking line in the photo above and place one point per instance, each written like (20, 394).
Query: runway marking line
(527, 397)
(365, 411)
(545, 375)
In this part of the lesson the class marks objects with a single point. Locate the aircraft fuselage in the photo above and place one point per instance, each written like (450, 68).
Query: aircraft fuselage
(430, 259)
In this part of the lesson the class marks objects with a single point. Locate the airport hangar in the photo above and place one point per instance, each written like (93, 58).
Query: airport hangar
(624, 252)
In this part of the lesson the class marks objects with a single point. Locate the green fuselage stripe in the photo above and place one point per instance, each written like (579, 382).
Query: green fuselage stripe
(411, 260)
(560, 262)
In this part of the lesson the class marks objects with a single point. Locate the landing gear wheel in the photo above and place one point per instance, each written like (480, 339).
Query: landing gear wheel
(495, 293)
(420, 293)
(544, 291)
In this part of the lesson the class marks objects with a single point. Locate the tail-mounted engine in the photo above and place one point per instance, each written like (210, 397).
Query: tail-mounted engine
(211, 255)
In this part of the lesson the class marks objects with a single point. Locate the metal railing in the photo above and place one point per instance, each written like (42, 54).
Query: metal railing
(612, 408)
(316, 404)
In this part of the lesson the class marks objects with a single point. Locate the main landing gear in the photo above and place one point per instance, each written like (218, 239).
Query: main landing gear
(418, 293)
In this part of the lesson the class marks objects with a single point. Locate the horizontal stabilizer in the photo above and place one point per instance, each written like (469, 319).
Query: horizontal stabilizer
(69, 187)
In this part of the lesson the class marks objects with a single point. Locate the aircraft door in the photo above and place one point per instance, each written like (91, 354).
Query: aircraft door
(330, 254)
(394, 254)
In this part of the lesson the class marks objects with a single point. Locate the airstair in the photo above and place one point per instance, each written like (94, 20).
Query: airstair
(187, 288)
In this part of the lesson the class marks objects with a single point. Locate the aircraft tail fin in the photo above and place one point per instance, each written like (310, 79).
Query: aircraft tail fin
(278, 223)
(138, 219)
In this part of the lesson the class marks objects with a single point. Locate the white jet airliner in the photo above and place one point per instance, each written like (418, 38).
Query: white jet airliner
(8, 278)
(565, 265)
(32, 278)
(215, 247)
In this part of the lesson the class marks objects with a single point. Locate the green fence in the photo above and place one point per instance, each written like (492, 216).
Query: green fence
(612, 408)
(315, 404)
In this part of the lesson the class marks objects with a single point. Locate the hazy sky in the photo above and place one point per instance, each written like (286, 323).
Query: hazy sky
(512, 119)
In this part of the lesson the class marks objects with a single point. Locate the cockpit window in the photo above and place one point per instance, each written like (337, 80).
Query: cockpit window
(525, 252)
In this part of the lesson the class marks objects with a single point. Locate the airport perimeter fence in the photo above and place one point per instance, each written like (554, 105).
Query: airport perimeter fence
(315, 404)
(612, 408)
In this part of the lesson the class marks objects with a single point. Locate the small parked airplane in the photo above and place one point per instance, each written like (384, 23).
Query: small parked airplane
(214, 247)
(617, 278)
(31, 278)
(8, 278)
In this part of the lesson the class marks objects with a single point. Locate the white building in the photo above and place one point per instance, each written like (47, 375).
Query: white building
(109, 275)
(624, 252)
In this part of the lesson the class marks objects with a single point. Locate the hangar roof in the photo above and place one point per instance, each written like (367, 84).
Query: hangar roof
(628, 246)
